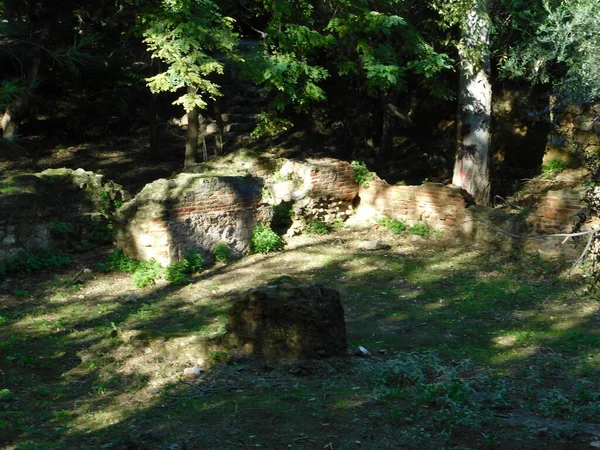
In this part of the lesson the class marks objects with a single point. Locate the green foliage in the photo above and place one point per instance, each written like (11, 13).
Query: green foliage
(26, 263)
(195, 262)
(395, 226)
(554, 166)
(362, 175)
(564, 50)
(369, 46)
(21, 293)
(5, 395)
(269, 124)
(218, 356)
(116, 261)
(265, 240)
(318, 227)
(222, 252)
(59, 228)
(185, 35)
(107, 203)
(338, 223)
(421, 229)
(179, 272)
(147, 272)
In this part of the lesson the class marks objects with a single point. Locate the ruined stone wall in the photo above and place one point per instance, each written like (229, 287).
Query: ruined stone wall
(558, 212)
(170, 218)
(440, 206)
(576, 130)
(60, 209)
(321, 178)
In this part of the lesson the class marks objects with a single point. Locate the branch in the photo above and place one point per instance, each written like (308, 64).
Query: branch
(579, 260)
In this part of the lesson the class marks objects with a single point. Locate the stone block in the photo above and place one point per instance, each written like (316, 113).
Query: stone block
(288, 321)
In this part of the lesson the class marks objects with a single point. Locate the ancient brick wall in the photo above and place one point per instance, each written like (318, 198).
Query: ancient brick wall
(558, 212)
(439, 205)
(170, 218)
(325, 177)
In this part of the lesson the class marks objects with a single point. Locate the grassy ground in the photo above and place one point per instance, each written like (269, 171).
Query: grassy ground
(470, 349)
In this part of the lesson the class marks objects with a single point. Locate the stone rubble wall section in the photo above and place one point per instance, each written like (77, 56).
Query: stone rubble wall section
(191, 213)
(323, 178)
(558, 212)
(440, 206)
(578, 128)
(33, 205)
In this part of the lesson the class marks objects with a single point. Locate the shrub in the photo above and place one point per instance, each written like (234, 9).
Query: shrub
(147, 272)
(395, 226)
(179, 272)
(362, 175)
(265, 240)
(554, 166)
(26, 263)
(338, 223)
(196, 262)
(116, 261)
(218, 356)
(421, 229)
(59, 228)
(318, 227)
(222, 252)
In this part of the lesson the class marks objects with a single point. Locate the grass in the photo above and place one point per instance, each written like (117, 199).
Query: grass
(461, 340)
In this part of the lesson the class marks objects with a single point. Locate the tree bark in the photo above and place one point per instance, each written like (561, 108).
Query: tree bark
(19, 109)
(472, 164)
(220, 129)
(191, 145)
(153, 123)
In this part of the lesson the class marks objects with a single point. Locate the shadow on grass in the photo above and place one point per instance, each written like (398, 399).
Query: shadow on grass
(103, 372)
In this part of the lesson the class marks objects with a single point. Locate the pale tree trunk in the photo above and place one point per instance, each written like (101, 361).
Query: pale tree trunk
(472, 165)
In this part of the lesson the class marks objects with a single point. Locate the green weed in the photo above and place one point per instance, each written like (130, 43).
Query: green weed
(554, 166)
(265, 240)
(179, 272)
(395, 226)
(421, 229)
(317, 227)
(362, 175)
(218, 356)
(147, 272)
(222, 252)
(26, 263)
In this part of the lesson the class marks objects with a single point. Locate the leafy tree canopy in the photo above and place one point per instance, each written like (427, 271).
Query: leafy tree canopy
(564, 50)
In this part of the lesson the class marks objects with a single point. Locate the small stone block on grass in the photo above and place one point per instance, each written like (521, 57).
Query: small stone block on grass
(288, 321)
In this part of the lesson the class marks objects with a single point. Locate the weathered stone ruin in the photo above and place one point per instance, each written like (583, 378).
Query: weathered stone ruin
(194, 212)
(288, 320)
(55, 209)
(171, 218)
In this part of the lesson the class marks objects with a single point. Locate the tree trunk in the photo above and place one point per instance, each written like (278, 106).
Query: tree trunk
(19, 109)
(220, 129)
(153, 123)
(191, 145)
(472, 164)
